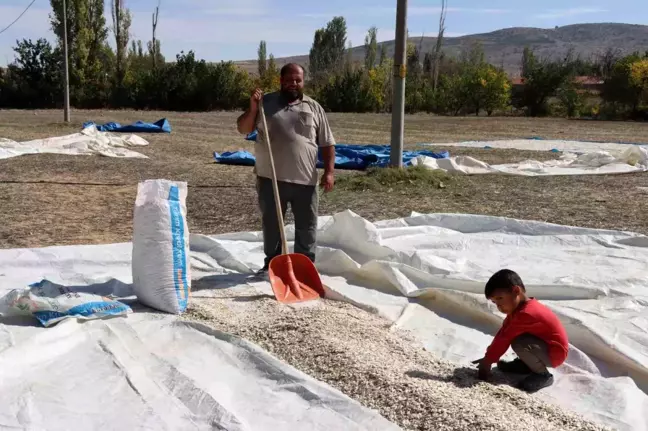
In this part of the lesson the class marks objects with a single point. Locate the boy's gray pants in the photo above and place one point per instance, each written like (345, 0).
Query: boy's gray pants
(304, 202)
(533, 351)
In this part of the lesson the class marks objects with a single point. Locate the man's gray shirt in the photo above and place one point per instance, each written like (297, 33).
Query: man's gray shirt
(297, 130)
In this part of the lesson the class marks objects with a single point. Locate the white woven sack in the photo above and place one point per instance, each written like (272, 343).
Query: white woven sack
(161, 268)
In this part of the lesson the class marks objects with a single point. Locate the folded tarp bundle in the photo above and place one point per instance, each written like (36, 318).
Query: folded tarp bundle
(160, 126)
(241, 158)
(352, 157)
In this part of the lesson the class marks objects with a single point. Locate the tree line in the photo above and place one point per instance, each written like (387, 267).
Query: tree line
(136, 75)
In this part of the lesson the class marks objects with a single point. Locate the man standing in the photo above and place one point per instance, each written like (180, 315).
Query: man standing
(298, 128)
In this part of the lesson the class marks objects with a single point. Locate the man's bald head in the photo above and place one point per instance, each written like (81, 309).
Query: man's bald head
(292, 68)
(292, 81)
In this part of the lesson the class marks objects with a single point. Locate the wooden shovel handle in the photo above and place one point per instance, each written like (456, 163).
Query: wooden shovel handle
(275, 186)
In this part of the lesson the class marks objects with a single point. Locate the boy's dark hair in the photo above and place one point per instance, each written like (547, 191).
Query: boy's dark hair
(290, 66)
(504, 279)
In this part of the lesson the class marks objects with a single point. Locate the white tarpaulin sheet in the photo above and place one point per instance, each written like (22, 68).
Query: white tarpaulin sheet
(88, 141)
(149, 371)
(541, 145)
(631, 158)
(426, 273)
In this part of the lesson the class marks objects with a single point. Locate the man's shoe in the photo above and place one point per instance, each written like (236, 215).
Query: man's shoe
(262, 273)
(536, 381)
(515, 366)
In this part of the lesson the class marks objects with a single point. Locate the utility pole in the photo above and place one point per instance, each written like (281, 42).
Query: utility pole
(400, 71)
(66, 71)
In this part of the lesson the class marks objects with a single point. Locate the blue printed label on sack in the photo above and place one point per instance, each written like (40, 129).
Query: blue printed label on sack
(179, 253)
(90, 309)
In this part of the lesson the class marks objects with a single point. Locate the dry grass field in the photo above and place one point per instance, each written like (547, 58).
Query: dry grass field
(56, 200)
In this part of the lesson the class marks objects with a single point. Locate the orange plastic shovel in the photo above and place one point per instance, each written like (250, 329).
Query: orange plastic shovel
(293, 277)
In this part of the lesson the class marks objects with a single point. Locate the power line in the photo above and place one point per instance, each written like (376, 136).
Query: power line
(19, 16)
(97, 184)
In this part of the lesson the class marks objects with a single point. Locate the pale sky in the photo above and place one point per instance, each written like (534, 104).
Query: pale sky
(231, 30)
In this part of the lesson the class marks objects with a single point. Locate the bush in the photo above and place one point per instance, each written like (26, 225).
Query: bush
(571, 100)
(626, 91)
(349, 91)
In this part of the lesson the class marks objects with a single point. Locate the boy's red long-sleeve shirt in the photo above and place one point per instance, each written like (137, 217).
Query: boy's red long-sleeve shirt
(536, 319)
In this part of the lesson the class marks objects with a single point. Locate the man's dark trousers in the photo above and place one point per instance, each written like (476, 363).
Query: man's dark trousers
(303, 200)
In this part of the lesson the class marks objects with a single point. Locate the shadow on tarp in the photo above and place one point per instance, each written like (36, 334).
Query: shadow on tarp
(221, 281)
(454, 311)
(462, 377)
(111, 288)
(248, 298)
(20, 321)
(228, 281)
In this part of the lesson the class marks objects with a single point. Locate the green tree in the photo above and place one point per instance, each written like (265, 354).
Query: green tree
(639, 78)
(497, 89)
(348, 61)
(79, 37)
(138, 59)
(97, 38)
(329, 46)
(262, 59)
(121, 27)
(605, 62)
(379, 82)
(627, 86)
(415, 84)
(35, 75)
(451, 96)
(271, 78)
(155, 52)
(571, 100)
(485, 87)
(428, 64)
(437, 57)
(383, 54)
(371, 48)
(348, 91)
(88, 52)
(542, 79)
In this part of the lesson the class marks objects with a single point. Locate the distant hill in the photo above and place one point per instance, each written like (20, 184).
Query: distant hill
(505, 47)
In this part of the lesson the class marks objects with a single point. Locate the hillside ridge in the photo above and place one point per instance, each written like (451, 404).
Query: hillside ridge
(504, 47)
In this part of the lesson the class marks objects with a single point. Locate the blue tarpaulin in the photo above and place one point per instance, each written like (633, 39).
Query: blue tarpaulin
(353, 157)
(160, 126)
(241, 158)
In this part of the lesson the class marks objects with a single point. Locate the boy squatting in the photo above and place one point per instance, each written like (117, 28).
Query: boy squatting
(532, 330)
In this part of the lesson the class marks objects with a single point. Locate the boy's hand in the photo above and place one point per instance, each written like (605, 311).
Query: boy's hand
(484, 372)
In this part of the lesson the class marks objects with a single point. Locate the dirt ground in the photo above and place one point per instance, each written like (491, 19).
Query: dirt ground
(56, 200)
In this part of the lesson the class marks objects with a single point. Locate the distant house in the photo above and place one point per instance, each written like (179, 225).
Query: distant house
(591, 83)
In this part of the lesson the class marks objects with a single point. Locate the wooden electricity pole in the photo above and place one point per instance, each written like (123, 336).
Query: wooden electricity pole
(400, 71)
(66, 70)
